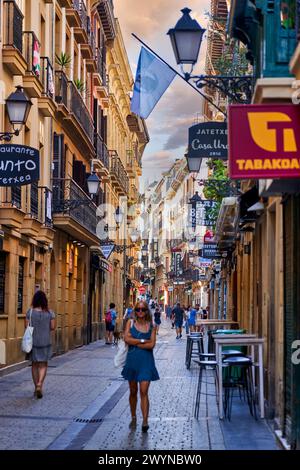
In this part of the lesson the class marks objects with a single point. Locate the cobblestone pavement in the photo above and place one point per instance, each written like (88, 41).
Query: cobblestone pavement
(85, 406)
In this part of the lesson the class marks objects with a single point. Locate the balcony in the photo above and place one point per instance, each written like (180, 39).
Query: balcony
(118, 173)
(79, 109)
(101, 162)
(134, 195)
(107, 17)
(31, 51)
(75, 116)
(12, 52)
(74, 211)
(61, 91)
(12, 212)
(78, 19)
(38, 219)
(47, 104)
(130, 164)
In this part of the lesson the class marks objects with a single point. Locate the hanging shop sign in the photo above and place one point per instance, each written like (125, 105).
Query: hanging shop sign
(211, 251)
(178, 264)
(19, 165)
(201, 213)
(264, 141)
(208, 140)
(107, 250)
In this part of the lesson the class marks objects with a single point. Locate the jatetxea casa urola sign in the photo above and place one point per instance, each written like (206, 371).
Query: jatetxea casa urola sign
(19, 165)
(264, 141)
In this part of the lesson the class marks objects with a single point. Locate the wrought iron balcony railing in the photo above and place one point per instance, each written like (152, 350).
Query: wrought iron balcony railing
(47, 77)
(13, 25)
(78, 107)
(31, 51)
(117, 169)
(71, 200)
(61, 88)
(102, 153)
(38, 203)
(101, 66)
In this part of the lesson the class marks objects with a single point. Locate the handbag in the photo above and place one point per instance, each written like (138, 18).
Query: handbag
(27, 340)
(120, 357)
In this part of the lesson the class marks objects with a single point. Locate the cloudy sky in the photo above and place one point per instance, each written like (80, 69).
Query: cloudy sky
(180, 106)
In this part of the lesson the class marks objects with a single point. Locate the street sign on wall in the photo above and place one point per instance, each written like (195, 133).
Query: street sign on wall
(208, 140)
(19, 165)
(107, 250)
(264, 141)
(211, 251)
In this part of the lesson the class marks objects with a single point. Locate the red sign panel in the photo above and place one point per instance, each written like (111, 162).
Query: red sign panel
(264, 141)
(142, 290)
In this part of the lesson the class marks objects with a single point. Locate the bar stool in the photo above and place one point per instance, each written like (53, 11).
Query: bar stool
(194, 348)
(208, 364)
(232, 353)
(235, 380)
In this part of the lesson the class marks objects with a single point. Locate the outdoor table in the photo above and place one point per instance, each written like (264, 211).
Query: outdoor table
(217, 322)
(240, 340)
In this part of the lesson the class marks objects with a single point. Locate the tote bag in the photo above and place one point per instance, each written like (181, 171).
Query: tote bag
(27, 339)
(120, 357)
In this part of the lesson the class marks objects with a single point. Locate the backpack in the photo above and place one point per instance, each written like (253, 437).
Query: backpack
(108, 317)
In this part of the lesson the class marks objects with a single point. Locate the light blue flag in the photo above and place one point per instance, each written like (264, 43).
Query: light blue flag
(153, 77)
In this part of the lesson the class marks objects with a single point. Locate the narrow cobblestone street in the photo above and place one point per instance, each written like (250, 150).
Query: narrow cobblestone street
(85, 406)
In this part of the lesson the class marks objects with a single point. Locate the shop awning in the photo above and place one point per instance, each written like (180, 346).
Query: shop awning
(247, 200)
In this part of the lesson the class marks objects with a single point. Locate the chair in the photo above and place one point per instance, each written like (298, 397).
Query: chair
(238, 374)
(209, 364)
(194, 347)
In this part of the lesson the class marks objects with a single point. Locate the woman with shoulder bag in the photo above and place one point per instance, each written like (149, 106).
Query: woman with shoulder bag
(43, 322)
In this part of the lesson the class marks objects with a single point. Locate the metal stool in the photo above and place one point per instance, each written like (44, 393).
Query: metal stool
(232, 353)
(233, 381)
(194, 348)
(203, 366)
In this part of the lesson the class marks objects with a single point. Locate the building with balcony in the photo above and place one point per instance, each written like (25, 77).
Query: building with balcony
(71, 62)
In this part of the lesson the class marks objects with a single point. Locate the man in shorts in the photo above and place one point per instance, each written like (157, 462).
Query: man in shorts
(178, 313)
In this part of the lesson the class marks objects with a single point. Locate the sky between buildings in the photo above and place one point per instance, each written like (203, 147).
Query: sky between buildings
(180, 106)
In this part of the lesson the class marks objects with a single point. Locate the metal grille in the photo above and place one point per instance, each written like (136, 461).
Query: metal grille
(13, 25)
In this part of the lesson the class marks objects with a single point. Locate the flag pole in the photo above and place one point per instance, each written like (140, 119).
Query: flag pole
(179, 75)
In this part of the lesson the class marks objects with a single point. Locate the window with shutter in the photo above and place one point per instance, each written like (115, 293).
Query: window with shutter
(58, 156)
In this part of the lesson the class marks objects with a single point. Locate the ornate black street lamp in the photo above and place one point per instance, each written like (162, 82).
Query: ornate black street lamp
(93, 183)
(186, 39)
(18, 106)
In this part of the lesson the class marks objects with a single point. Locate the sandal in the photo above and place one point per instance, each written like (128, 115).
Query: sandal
(39, 393)
(132, 424)
(145, 428)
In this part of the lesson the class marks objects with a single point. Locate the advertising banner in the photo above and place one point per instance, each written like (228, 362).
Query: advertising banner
(264, 141)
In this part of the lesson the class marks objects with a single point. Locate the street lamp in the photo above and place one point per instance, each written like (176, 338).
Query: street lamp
(134, 236)
(93, 183)
(186, 39)
(119, 216)
(18, 106)
(144, 251)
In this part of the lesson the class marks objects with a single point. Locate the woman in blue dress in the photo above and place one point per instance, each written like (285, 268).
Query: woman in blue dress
(140, 335)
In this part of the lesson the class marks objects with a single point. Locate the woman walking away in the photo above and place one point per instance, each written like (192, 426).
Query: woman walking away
(42, 320)
(140, 335)
(157, 318)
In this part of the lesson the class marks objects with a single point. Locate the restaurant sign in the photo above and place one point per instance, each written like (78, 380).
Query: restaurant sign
(19, 165)
(264, 141)
(208, 140)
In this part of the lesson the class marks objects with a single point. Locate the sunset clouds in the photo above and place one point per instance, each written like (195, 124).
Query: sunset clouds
(179, 107)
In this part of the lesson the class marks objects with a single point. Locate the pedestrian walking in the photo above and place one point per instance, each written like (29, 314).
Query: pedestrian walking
(178, 313)
(110, 323)
(186, 319)
(157, 318)
(198, 318)
(192, 319)
(43, 321)
(128, 315)
(140, 335)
